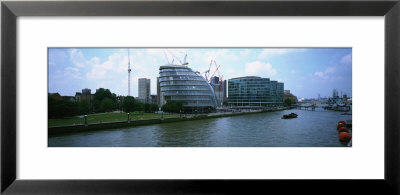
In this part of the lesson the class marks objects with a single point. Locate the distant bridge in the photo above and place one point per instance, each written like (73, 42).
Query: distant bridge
(312, 107)
(307, 106)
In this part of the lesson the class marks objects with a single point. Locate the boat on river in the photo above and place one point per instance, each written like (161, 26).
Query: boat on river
(289, 116)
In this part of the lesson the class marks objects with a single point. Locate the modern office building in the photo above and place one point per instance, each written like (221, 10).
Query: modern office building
(254, 91)
(219, 89)
(153, 99)
(144, 90)
(181, 83)
(158, 92)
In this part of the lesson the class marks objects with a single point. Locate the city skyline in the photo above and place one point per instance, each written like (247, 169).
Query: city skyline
(306, 72)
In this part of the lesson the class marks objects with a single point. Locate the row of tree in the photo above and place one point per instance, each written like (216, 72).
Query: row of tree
(59, 108)
(131, 105)
(288, 102)
(173, 107)
(103, 101)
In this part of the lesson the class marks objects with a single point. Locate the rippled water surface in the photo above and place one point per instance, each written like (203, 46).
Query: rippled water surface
(310, 129)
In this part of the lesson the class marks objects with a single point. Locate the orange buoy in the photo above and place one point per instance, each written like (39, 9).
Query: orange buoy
(339, 125)
(343, 129)
(344, 122)
(344, 137)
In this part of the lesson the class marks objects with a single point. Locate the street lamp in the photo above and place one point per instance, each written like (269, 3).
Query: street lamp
(86, 124)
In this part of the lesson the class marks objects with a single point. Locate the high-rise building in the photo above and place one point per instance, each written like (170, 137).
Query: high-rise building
(158, 92)
(144, 90)
(219, 89)
(335, 94)
(254, 91)
(225, 91)
(153, 99)
(181, 83)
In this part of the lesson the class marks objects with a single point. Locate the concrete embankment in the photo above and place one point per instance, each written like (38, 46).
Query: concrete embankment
(120, 124)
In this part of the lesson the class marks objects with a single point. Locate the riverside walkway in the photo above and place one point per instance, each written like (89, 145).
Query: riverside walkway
(64, 129)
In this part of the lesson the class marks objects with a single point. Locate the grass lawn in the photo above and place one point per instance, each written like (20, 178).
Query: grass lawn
(106, 117)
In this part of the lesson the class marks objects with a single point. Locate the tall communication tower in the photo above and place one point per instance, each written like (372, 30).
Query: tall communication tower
(129, 74)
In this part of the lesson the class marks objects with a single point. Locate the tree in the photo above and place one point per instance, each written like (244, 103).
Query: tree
(106, 105)
(153, 107)
(139, 106)
(287, 102)
(60, 108)
(147, 107)
(128, 105)
(150, 107)
(173, 106)
(84, 108)
(100, 95)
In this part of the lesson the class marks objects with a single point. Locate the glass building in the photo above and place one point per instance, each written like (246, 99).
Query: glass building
(219, 87)
(180, 83)
(254, 91)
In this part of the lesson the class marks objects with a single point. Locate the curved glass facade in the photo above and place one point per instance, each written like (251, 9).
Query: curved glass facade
(254, 91)
(180, 83)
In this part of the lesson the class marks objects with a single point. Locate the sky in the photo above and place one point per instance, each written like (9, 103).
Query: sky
(306, 72)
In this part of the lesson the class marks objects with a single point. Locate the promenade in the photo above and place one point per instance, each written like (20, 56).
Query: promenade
(65, 129)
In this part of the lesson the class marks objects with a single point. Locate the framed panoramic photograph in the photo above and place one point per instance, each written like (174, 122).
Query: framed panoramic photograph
(175, 104)
(133, 97)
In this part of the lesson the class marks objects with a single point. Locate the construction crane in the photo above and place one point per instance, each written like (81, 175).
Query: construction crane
(217, 85)
(166, 56)
(129, 74)
(174, 57)
(216, 71)
(206, 73)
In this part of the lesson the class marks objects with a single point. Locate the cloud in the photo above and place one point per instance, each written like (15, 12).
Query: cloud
(320, 74)
(269, 52)
(245, 52)
(100, 70)
(115, 67)
(219, 55)
(336, 78)
(327, 73)
(259, 68)
(330, 70)
(158, 52)
(169, 54)
(266, 53)
(57, 56)
(77, 58)
(347, 59)
(71, 72)
(95, 60)
(96, 74)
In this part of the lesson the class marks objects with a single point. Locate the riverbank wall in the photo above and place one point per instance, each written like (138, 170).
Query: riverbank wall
(68, 129)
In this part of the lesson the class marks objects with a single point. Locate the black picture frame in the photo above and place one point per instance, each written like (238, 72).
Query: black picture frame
(10, 10)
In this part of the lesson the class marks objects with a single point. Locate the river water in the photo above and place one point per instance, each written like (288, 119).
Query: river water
(310, 129)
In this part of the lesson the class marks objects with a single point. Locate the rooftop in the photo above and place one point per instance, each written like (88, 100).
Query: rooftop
(173, 66)
(245, 77)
